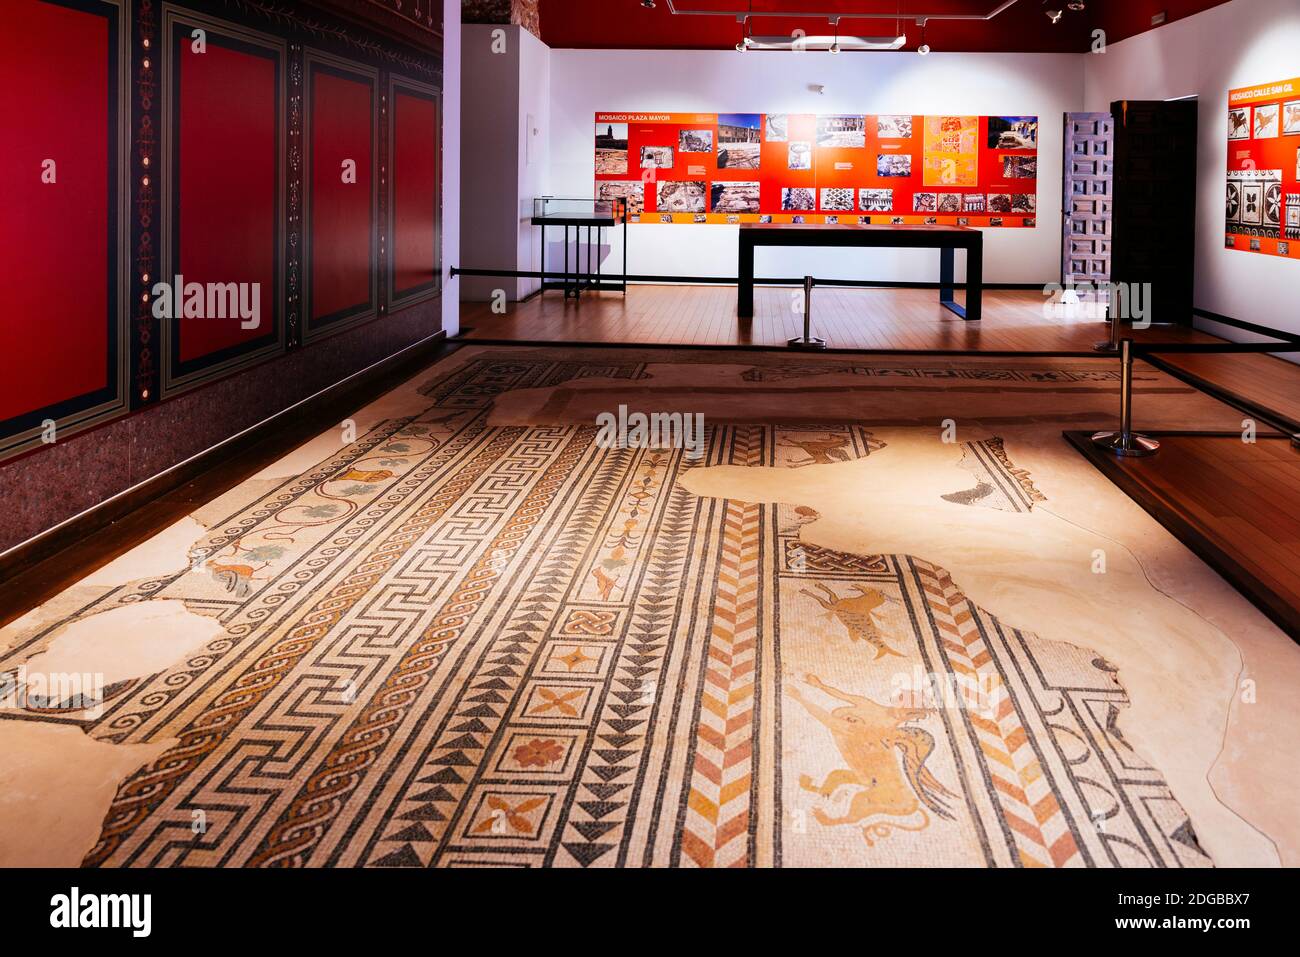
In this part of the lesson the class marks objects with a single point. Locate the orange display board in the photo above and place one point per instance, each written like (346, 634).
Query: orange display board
(847, 169)
(1263, 188)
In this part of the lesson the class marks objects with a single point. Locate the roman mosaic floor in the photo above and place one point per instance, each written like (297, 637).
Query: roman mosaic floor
(887, 617)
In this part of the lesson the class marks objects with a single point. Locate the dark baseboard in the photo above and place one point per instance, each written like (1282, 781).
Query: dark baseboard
(1276, 607)
(41, 567)
(1245, 326)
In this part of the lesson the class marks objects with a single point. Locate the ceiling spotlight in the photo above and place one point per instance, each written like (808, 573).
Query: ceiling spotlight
(1054, 15)
(648, 4)
(923, 49)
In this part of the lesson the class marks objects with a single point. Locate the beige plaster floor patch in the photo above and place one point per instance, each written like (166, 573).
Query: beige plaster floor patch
(1035, 571)
(165, 553)
(55, 786)
(130, 641)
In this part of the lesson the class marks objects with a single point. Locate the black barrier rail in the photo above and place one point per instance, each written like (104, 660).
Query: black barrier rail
(725, 280)
(1128, 443)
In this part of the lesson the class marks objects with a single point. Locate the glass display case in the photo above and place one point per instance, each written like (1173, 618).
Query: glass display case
(558, 211)
(584, 222)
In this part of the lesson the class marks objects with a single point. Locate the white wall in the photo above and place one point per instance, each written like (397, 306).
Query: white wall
(490, 150)
(451, 113)
(534, 170)
(505, 75)
(584, 82)
(1239, 44)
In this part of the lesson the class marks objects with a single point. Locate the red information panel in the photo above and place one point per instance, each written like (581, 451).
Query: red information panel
(845, 169)
(1263, 193)
(341, 251)
(58, 336)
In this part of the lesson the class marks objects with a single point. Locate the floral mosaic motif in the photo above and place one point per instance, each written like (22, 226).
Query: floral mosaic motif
(538, 753)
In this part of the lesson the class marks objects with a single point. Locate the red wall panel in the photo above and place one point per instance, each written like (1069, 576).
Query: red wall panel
(57, 265)
(415, 192)
(342, 237)
(226, 227)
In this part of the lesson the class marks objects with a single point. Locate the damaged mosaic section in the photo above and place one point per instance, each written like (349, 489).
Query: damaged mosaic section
(998, 483)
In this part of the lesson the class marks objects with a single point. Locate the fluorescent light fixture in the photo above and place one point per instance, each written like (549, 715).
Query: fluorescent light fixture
(827, 43)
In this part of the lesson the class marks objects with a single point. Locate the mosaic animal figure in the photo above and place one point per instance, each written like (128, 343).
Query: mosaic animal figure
(856, 614)
(885, 757)
(821, 451)
(237, 578)
(604, 583)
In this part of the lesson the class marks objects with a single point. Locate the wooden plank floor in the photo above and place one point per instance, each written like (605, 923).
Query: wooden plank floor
(905, 320)
(1236, 505)
(1268, 381)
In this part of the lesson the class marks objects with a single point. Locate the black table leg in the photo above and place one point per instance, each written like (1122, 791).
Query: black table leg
(745, 280)
(948, 281)
(566, 262)
(975, 283)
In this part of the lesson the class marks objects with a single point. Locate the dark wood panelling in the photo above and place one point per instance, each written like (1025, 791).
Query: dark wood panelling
(1086, 197)
(1154, 217)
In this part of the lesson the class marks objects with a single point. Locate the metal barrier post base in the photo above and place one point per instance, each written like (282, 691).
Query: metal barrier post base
(1112, 344)
(807, 342)
(810, 345)
(1133, 445)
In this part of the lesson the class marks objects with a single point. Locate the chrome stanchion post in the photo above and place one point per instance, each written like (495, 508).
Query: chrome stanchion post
(1111, 344)
(808, 341)
(1126, 442)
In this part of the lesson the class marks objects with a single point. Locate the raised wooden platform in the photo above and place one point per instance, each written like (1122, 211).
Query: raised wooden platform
(1234, 504)
(884, 319)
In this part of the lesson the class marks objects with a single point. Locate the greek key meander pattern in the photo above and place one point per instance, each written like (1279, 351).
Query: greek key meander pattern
(454, 644)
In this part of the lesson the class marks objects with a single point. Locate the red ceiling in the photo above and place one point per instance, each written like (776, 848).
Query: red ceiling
(625, 24)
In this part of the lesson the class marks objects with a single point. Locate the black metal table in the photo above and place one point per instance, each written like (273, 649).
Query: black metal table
(582, 215)
(947, 239)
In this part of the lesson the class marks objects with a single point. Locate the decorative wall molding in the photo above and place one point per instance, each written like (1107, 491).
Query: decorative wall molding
(331, 29)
